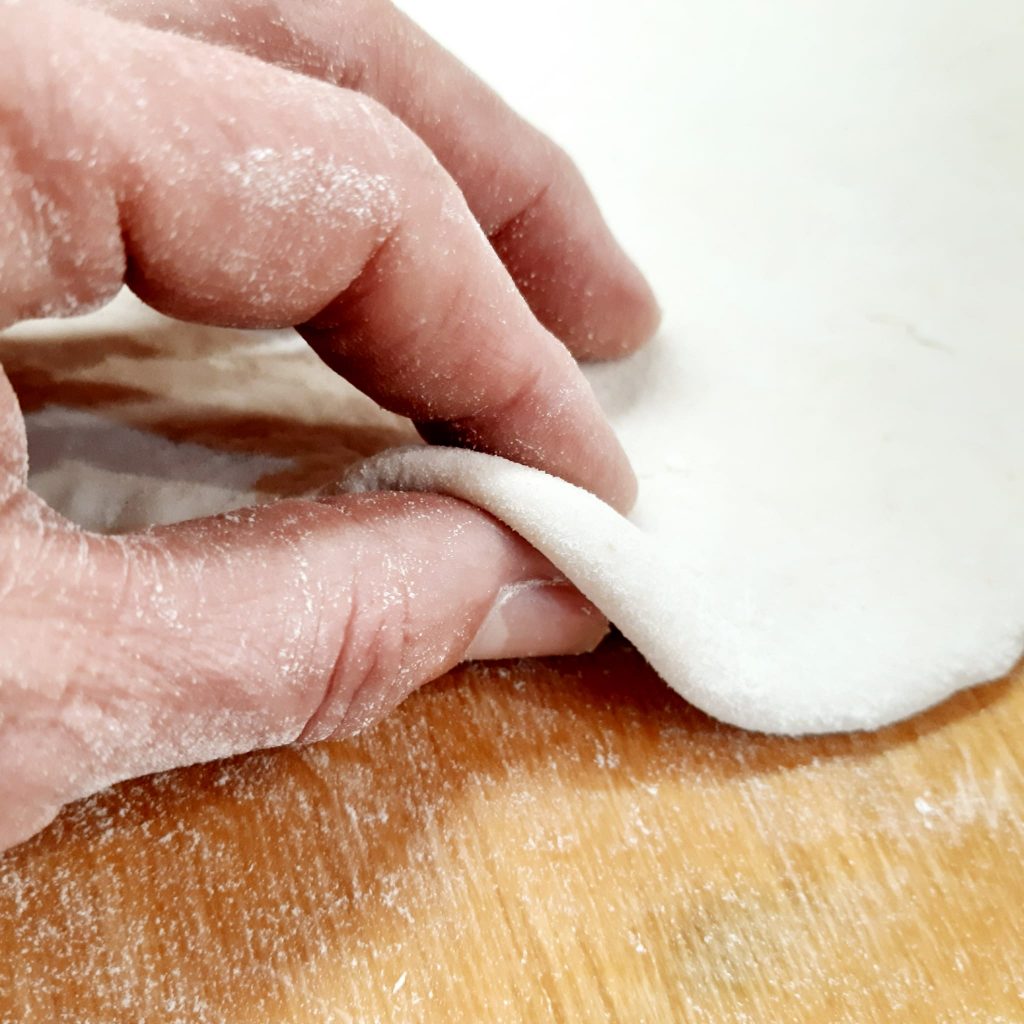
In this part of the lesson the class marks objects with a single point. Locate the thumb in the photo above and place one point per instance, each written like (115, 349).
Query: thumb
(300, 620)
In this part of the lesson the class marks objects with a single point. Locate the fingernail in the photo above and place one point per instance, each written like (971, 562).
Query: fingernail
(536, 619)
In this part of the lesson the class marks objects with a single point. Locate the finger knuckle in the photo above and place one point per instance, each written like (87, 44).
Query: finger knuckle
(376, 657)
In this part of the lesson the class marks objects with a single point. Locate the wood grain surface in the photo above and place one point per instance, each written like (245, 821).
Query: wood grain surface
(534, 841)
(542, 842)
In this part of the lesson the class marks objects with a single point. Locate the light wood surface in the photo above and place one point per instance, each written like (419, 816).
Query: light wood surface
(536, 841)
(542, 842)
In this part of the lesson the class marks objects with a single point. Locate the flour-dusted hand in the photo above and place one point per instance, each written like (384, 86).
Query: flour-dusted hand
(347, 201)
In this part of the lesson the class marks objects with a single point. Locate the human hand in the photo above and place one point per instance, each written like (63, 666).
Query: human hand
(226, 190)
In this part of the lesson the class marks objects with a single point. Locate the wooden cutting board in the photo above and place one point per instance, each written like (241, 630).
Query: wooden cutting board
(542, 842)
(535, 841)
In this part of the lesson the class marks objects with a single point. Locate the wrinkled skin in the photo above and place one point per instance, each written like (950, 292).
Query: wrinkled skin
(431, 246)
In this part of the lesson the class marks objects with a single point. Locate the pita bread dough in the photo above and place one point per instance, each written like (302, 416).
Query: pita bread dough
(829, 432)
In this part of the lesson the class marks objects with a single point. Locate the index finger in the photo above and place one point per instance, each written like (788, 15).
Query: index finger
(286, 201)
(527, 195)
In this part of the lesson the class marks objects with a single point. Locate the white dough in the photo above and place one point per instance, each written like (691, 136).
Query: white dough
(829, 432)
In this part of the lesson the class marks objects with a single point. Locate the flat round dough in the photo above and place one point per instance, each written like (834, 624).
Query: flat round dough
(829, 432)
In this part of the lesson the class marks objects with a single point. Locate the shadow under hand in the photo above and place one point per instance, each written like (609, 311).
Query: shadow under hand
(129, 400)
